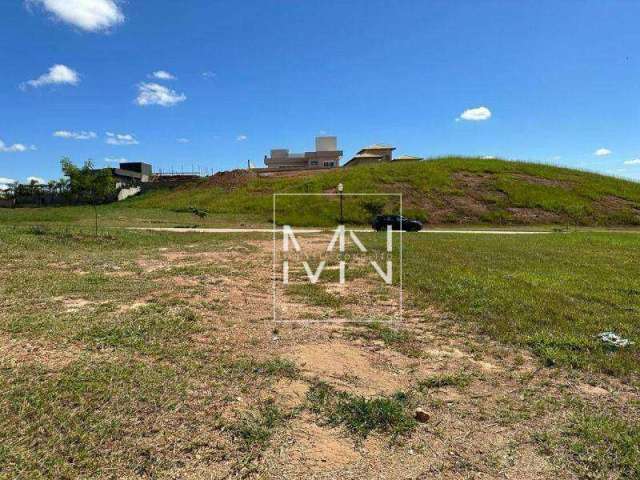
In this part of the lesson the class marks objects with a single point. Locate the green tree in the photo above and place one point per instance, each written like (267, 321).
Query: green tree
(87, 184)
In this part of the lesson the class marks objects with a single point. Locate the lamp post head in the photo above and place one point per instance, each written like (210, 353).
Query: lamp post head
(340, 187)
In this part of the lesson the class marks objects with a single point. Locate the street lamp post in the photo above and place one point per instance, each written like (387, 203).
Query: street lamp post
(340, 190)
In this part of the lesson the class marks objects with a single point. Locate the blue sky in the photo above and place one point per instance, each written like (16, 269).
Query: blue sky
(561, 80)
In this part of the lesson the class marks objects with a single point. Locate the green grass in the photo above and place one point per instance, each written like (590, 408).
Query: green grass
(594, 444)
(314, 294)
(135, 373)
(254, 429)
(396, 338)
(154, 329)
(601, 444)
(430, 190)
(550, 293)
(360, 415)
(460, 380)
(81, 419)
(443, 190)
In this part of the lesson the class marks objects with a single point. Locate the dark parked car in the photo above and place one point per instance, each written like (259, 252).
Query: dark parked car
(397, 222)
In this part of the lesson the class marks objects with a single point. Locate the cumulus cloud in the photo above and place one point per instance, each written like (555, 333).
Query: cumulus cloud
(57, 75)
(635, 161)
(183, 140)
(6, 181)
(241, 138)
(16, 147)
(36, 180)
(115, 160)
(75, 135)
(155, 94)
(475, 114)
(89, 15)
(163, 75)
(602, 152)
(121, 139)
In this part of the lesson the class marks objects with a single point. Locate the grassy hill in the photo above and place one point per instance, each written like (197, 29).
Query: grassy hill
(443, 191)
(450, 190)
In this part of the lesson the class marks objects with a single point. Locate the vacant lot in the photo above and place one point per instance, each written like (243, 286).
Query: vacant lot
(153, 355)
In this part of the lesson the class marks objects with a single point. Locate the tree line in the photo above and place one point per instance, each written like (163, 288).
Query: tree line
(79, 185)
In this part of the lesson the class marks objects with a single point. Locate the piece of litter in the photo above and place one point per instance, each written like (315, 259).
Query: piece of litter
(614, 339)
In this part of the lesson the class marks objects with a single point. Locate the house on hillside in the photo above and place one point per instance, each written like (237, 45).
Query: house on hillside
(372, 154)
(130, 176)
(133, 172)
(326, 155)
(378, 154)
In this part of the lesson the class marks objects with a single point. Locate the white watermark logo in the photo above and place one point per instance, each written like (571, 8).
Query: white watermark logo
(323, 263)
(338, 237)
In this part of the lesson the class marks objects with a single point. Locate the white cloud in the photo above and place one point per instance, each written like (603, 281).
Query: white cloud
(163, 75)
(209, 75)
(635, 161)
(121, 139)
(155, 94)
(488, 157)
(241, 138)
(57, 75)
(183, 140)
(75, 135)
(36, 180)
(115, 160)
(6, 181)
(602, 152)
(475, 114)
(89, 15)
(16, 147)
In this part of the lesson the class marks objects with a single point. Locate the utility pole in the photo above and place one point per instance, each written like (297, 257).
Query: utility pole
(340, 190)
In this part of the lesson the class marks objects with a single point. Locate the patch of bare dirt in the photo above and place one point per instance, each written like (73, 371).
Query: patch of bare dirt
(231, 179)
(72, 305)
(346, 366)
(534, 215)
(548, 182)
(18, 352)
(312, 451)
(614, 203)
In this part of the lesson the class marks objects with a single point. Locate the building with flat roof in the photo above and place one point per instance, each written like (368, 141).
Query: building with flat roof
(132, 172)
(326, 155)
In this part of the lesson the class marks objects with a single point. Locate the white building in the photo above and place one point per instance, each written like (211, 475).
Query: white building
(326, 155)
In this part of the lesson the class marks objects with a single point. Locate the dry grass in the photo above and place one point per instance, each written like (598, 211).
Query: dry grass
(154, 356)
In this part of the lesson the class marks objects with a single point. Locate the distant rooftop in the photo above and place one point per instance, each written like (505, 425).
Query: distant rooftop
(367, 155)
(378, 146)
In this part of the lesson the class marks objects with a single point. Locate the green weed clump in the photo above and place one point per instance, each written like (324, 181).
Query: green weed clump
(360, 415)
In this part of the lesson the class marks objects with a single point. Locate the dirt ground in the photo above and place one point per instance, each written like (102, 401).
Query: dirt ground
(484, 429)
(490, 407)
